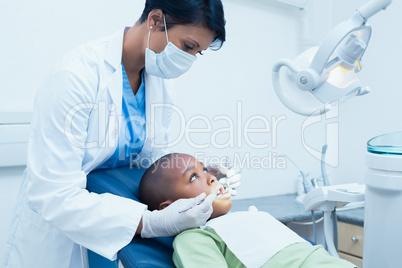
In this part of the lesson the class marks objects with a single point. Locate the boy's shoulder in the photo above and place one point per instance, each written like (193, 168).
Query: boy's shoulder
(201, 236)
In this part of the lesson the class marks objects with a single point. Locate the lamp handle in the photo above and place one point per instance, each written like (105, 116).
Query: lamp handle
(288, 101)
(373, 7)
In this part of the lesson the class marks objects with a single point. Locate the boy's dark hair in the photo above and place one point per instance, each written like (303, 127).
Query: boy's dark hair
(208, 13)
(153, 189)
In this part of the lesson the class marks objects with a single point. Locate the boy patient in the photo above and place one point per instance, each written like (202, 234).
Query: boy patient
(176, 176)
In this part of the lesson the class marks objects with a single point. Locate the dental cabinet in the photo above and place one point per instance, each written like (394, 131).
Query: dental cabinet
(291, 213)
(350, 242)
(14, 133)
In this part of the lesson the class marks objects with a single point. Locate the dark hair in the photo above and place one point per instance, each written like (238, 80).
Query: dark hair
(208, 13)
(153, 189)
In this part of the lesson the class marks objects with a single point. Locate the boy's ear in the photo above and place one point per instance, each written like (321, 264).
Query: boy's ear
(164, 204)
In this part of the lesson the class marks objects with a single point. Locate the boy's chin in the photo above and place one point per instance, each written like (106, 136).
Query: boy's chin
(220, 210)
(213, 216)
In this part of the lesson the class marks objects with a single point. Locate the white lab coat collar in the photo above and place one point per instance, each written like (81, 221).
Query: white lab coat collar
(113, 57)
(114, 88)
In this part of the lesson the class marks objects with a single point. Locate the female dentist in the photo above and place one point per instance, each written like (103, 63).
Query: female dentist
(96, 110)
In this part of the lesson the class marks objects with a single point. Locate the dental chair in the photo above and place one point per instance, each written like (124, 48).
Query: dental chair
(141, 252)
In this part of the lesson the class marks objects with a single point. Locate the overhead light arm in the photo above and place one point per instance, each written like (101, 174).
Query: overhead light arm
(344, 47)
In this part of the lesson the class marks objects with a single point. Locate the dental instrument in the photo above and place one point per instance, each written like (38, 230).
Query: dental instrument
(306, 183)
(314, 182)
(190, 207)
(218, 192)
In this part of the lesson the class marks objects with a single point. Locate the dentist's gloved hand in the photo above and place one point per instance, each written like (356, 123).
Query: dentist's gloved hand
(252, 209)
(169, 221)
(228, 177)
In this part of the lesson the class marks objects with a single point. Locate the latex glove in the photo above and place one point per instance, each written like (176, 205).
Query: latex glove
(228, 177)
(169, 221)
(252, 209)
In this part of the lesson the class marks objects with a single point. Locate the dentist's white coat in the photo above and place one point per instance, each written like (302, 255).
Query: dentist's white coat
(78, 104)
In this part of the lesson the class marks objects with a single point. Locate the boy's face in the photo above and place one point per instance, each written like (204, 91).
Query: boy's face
(188, 178)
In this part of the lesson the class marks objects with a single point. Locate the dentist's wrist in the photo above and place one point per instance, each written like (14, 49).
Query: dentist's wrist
(139, 228)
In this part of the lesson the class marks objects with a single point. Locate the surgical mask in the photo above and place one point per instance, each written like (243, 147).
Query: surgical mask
(170, 63)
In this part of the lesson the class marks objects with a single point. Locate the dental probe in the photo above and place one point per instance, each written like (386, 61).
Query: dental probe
(190, 207)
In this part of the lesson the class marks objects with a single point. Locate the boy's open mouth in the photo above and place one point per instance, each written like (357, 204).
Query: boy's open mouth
(221, 193)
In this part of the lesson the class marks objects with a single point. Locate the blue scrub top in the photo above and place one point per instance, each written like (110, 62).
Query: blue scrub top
(132, 131)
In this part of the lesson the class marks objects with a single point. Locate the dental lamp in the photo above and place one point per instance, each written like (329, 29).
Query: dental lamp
(323, 75)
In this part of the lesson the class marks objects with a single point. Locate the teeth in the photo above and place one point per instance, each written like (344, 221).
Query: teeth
(218, 190)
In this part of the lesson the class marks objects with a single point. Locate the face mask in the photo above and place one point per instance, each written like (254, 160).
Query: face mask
(171, 63)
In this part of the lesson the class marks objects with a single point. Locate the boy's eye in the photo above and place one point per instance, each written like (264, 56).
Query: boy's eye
(206, 170)
(193, 177)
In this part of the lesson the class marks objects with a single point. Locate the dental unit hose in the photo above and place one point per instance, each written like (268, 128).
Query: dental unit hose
(323, 167)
